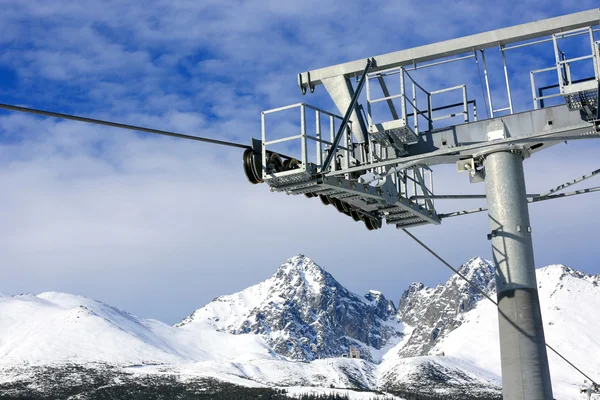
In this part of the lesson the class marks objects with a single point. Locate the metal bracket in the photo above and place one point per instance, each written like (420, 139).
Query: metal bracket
(470, 165)
(477, 175)
(310, 85)
(493, 234)
(389, 192)
(465, 165)
(302, 88)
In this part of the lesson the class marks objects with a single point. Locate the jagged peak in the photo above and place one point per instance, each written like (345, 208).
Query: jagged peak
(375, 295)
(476, 265)
(299, 263)
(300, 270)
(413, 288)
(416, 286)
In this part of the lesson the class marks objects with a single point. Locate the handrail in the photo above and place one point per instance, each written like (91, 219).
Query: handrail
(563, 68)
(408, 99)
(344, 146)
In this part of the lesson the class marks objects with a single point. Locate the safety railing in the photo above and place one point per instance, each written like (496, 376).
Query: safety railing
(464, 103)
(407, 98)
(306, 161)
(538, 93)
(565, 83)
(417, 184)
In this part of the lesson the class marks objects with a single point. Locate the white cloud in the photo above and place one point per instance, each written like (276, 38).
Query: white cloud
(161, 226)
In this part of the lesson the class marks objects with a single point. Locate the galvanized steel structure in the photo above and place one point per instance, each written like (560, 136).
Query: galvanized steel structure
(373, 161)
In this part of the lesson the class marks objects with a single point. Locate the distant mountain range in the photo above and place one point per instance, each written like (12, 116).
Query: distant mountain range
(295, 330)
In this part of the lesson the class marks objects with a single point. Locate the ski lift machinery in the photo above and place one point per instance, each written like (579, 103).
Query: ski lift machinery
(375, 166)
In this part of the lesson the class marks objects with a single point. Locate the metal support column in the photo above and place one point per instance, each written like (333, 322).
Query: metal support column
(525, 372)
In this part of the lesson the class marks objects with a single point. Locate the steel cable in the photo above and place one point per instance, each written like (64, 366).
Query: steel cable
(241, 146)
(120, 125)
(482, 292)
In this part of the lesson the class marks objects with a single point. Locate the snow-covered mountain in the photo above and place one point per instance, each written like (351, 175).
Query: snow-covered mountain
(570, 301)
(59, 327)
(434, 312)
(304, 314)
(439, 340)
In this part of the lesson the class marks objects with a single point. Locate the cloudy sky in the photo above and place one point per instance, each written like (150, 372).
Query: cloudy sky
(161, 226)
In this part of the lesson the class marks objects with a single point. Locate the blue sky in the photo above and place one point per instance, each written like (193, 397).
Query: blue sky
(160, 226)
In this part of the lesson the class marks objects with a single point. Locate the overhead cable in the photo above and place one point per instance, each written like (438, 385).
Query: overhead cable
(482, 292)
(120, 125)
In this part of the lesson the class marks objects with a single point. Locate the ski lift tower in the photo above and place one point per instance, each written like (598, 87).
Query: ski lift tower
(373, 161)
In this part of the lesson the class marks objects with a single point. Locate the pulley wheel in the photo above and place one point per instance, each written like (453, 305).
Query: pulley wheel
(250, 168)
(337, 203)
(355, 215)
(369, 223)
(324, 199)
(275, 162)
(292, 163)
(346, 207)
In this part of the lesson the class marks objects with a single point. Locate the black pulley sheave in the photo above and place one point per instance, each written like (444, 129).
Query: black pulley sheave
(249, 162)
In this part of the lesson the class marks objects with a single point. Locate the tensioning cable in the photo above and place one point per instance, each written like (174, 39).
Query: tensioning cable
(433, 253)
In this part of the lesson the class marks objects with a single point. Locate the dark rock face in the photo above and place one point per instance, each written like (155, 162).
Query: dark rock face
(435, 312)
(319, 317)
(305, 314)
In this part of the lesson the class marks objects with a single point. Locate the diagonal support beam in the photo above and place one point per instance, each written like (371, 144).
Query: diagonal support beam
(347, 116)
(341, 91)
(570, 183)
(531, 200)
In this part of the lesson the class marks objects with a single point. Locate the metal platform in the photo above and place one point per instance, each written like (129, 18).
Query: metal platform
(381, 193)
(393, 133)
(580, 95)
(371, 162)
(369, 201)
(407, 118)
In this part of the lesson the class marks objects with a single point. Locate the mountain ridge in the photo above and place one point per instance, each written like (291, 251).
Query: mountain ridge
(304, 313)
(445, 342)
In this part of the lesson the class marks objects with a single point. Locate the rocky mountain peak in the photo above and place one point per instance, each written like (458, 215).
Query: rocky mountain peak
(304, 313)
(434, 312)
(480, 272)
(384, 306)
(301, 271)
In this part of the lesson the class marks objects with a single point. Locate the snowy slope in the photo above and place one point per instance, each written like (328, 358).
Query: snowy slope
(232, 338)
(59, 329)
(570, 301)
(55, 327)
